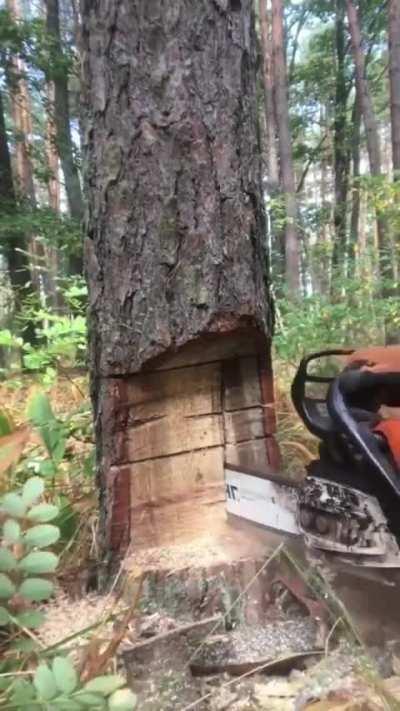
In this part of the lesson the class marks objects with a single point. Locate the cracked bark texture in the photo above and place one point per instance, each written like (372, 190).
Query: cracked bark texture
(175, 227)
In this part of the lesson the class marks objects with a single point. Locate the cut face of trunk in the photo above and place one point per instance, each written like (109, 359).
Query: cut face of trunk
(292, 247)
(180, 314)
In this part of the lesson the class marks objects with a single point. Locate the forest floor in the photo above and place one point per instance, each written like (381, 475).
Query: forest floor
(191, 645)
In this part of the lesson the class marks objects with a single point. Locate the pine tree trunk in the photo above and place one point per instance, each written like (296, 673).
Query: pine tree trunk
(268, 83)
(372, 137)
(180, 314)
(21, 114)
(65, 146)
(15, 247)
(292, 245)
(272, 164)
(341, 146)
(394, 75)
(355, 192)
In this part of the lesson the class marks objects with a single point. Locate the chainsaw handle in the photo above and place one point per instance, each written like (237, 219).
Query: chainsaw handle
(307, 408)
(342, 416)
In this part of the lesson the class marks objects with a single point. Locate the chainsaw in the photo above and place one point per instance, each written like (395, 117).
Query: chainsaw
(347, 505)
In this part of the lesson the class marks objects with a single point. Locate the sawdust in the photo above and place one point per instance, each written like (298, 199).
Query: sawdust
(66, 618)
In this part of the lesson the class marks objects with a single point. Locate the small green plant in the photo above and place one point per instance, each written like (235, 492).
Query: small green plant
(26, 564)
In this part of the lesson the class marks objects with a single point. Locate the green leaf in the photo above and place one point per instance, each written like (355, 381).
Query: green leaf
(63, 703)
(13, 505)
(39, 562)
(44, 682)
(51, 430)
(92, 701)
(25, 645)
(4, 617)
(65, 675)
(5, 424)
(7, 560)
(33, 490)
(105, 684)
(11, 531)
(36, 589)
(47, 468)
(39, 409)
(23, 693)
(122, 700)
(42, 535)
(42, 513)
(31, 618)
(7, 587)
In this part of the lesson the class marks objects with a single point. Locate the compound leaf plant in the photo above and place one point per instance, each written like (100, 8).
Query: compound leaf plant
(30, 677)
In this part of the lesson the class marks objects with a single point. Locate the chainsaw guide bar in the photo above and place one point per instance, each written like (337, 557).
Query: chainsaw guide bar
(344, 523)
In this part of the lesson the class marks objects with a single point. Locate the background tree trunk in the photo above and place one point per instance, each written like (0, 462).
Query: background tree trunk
(21, 113)
(292, 246)
(355, 191)
(372, 137)
(394, 76)
(341, 145)
(272, 164)
(15, 247)
(65, 146)
(268, 83)
(176, 263)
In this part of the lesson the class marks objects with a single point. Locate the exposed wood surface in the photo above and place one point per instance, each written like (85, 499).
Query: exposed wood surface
(188, 391)
(252, 454)
(241, 383)
(244, 425)
(211, 348)
(169, 435)
(178, 498)
(173, 431)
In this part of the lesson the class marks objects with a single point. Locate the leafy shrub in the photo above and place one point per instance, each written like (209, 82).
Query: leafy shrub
(26, 562)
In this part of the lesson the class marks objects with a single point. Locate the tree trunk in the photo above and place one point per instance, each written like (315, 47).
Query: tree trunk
(15, 247)
(59, 77)
(273, 186)
(21, 114)
(341, 147)
(355, 191)
(292, 246)
(53, 184)
(268, 83)
(180, 314)
(394, 75)
(372, 137)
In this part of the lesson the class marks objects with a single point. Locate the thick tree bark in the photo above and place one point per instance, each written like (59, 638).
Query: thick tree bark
(65, 146)
(341, 146)
(176, 227)
(394, 76)
(372, 136)
(175, 258)
(15, 247)
(292, 246)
